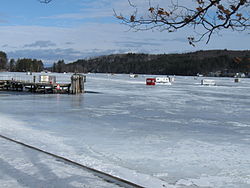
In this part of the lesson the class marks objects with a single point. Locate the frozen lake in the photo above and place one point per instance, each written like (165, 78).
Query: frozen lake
(183, 135)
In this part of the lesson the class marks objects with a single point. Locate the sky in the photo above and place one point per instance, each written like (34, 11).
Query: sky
(79, 29)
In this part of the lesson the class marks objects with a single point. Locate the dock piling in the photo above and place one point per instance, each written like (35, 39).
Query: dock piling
(77, 83)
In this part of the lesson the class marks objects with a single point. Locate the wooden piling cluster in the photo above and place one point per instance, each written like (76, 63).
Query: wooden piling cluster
(75, 87)
(77, 83)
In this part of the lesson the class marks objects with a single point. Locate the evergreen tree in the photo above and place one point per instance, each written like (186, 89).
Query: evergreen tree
(3, 60)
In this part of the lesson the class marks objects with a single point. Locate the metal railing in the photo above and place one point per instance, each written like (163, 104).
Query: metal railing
(17, 78)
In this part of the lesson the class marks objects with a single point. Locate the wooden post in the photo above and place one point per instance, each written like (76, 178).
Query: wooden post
(77, 84)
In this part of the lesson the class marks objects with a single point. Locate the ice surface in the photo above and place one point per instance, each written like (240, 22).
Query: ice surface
(179, 135)
(23, 167)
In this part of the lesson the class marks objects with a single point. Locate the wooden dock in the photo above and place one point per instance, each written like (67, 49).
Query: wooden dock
(75, 87)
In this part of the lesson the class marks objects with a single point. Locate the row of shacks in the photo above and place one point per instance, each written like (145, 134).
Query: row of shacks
(168, 81)
(46, 84)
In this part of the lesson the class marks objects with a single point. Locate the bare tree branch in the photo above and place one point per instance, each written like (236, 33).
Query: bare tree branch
(208, 16)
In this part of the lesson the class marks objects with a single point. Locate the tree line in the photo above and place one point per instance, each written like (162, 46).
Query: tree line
(203, 62)
(224, 62)
(20, 65)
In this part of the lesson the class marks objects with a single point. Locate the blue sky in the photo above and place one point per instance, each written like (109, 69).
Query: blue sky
(75, 29)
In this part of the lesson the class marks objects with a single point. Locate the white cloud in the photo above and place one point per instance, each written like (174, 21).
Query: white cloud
(95, 39)
(103, 9)
(40, 44)
(50, 56)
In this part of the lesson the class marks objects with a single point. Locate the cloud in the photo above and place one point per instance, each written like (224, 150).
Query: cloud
(87, 10)
(136, 44)
(150, 42)
(3, 18)
(180, 39)
(76, 16)
(69, 43)
(99, 9)
(40, 44)
(3, 21)
(91, 39)
(49, 56)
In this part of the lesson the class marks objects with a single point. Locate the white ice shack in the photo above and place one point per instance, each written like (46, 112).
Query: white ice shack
(162, 80)
(208, 82)
(47, 79)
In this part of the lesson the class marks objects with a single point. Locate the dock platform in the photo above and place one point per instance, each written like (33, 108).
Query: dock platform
(12, 85)
(47, 87)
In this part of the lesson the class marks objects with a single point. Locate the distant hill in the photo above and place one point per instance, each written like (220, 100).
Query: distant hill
(223, 62)
(215, 53)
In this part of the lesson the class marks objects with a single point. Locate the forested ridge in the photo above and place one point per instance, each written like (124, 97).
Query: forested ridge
(211, 63)
(203, 62)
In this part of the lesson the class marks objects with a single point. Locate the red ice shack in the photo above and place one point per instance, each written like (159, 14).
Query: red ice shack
(150, 81)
